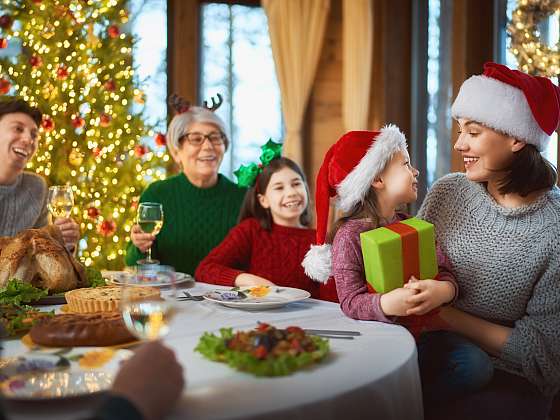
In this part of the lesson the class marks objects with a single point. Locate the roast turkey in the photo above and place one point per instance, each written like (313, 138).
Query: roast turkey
(39, 257)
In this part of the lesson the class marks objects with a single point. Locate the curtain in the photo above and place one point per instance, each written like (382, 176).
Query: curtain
(296, 29)
(357, 53)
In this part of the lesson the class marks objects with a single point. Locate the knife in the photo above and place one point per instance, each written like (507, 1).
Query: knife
(334, 332)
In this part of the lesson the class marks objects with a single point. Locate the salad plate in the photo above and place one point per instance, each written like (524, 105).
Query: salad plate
(77, 372)
(257, 297)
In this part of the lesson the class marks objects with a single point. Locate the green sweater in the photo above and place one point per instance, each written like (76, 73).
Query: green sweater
(195, 220)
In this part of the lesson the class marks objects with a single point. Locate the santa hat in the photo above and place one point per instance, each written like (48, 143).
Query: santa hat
(348, 170)
(512, 102)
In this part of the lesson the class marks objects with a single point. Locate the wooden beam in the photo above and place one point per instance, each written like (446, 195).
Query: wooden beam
(183, 50)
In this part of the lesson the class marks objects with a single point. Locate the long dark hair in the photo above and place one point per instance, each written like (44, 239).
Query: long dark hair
(528, 172)
(251, 206)
(366, 209)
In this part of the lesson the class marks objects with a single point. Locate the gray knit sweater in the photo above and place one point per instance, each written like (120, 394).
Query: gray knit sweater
(507, 264)
(23, 204)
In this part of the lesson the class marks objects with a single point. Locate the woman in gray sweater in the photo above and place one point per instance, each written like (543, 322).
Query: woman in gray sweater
(499, 225)
(23, 195)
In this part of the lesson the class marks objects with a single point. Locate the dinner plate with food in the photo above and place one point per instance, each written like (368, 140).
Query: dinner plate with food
(257, 297)
(121, 277)
(43, 376)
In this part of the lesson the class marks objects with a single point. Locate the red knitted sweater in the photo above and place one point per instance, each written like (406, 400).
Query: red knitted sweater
(275, 255)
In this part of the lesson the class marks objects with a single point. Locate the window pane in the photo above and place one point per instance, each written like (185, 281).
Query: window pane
(438, 140)
(237, 62)
(550, 34)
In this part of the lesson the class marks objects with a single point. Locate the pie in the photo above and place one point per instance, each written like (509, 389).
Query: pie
(105, 298)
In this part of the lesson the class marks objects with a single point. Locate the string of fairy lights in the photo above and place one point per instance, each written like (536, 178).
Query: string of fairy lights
(76, 66)
(534, 56)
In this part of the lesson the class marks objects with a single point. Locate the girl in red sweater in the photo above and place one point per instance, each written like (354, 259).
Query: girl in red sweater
(272, 237)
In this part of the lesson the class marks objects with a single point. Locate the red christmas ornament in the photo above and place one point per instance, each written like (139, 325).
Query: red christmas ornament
(47, 123)
(104, 120)
(96, 151)
(62, 72)
(160, 139)
(113, 31)
(78, 122)
(140, 150)
(107, 227)
(37, 1)
(110, 85)
(5, 86)
(93, 212)
(3, 43)
(5, 21)
(35, 61)
(134, 203)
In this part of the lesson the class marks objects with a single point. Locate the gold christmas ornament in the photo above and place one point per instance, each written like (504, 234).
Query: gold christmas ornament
(48, 31)
(533, 56)
(75, 158)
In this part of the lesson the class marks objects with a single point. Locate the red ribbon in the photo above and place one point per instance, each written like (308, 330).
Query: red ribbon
(410, 254)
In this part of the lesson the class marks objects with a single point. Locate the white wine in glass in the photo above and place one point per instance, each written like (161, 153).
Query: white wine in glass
(150, 220)
(149, 318)
(60, 201)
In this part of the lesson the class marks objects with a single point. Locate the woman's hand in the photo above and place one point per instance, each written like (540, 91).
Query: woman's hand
(430, 294)
(246, 279)
(395, 302)
(142, 241)
(70, 232)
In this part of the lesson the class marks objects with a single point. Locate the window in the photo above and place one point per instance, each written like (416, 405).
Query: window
(236, 61)
(438, 139)
(550, 34)
(148, 17)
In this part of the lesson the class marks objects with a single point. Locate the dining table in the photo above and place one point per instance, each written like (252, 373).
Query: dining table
(372, 375)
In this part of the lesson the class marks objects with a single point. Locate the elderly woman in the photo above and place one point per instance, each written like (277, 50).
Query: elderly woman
(23, 195)
(499, 224)
(200, 205)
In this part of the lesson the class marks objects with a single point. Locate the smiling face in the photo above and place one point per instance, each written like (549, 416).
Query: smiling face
(19, 137)
(286, 197)
(397, 183)
(486, 153)
(200, 162)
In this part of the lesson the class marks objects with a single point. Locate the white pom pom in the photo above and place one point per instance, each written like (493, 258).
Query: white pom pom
(317, 263)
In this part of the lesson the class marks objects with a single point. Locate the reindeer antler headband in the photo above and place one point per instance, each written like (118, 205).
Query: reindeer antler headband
(181, 105)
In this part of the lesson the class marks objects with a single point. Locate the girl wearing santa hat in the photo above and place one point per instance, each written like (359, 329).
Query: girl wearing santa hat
(268, 244)
(499, 225)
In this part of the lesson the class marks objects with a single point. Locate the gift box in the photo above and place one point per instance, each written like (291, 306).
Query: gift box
(394, 253)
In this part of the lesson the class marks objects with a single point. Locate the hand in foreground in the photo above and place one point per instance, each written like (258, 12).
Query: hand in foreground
(430, 294)
(152, 380)
(142, 241)
(246, 279)
(395, 302)
(70, 231)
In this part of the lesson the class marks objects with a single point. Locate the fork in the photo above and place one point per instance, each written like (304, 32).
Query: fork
(188, 296)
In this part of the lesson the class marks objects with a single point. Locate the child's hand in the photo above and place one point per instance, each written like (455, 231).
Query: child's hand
(395, 302)
(430, 294)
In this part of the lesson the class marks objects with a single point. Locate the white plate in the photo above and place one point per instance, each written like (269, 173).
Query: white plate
(119, 278)
(275, 297)
(77, 372)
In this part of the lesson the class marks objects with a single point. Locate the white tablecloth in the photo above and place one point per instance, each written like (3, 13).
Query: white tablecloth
(373, 376)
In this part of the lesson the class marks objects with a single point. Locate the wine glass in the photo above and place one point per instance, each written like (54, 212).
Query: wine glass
(60, 201)
(150, 220)
(145, 313)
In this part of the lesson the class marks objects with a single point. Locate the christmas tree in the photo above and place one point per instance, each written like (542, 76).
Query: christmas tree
(75, 64)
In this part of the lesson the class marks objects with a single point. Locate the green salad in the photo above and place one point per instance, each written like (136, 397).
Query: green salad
(265, 351)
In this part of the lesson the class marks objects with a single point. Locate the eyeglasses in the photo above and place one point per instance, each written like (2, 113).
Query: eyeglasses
(196, 139)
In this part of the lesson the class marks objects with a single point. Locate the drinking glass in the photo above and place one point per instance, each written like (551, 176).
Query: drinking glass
(150, 220)
(148, 315)
(60, 201)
